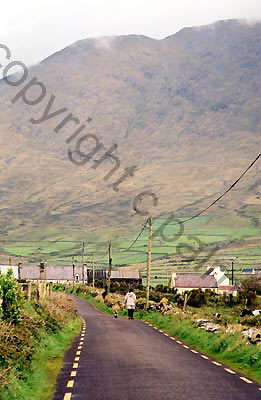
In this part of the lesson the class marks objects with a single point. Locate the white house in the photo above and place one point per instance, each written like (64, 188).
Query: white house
(212, 279)
(221, 278)
(5, 268)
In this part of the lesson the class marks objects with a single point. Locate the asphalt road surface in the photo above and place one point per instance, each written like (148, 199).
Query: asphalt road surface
(121, 359)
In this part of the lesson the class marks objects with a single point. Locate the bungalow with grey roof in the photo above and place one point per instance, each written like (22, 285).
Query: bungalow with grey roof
(53, 273)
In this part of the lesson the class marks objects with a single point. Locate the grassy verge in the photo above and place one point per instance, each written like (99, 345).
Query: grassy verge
(39, 381)
(228, 348)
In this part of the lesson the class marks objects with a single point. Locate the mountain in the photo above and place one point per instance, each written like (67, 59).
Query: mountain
(185, 111)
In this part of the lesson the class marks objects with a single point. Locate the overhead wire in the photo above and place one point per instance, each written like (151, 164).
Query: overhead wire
(134, 241)
(208, 207)
(222, 195)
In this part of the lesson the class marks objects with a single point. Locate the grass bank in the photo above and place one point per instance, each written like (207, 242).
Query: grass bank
(32, 349)
(39, 381)
(229, 348)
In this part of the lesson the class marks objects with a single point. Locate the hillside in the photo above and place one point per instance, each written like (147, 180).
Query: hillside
(185, 110)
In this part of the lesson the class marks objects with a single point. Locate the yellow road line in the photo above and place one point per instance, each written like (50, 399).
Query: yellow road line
(216, 363)
(179, 342)
(202, 355)
(67, 396)
(77, 359)
(166, 334)
(70, 384)
(172, 338)
(186, 347)
(75, 365)
(245, 379)
(229, 370)
(78, 353)
(194, 351)
(73, 373)
(79, 347)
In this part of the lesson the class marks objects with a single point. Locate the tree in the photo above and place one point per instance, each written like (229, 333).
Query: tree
(249, 289)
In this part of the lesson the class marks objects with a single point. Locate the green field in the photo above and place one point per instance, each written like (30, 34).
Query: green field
(199, 242)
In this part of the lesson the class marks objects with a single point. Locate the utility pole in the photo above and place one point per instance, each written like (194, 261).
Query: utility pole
(82, 253)
(73, 270)
(93, 272)
(149, 262)
(232, 272)
(109, 269)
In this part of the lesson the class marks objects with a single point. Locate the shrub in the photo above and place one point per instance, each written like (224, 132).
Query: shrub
(248, 291)
(196, 298)
(12, 298)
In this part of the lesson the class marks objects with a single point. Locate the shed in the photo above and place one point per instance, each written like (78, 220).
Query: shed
(126, 275)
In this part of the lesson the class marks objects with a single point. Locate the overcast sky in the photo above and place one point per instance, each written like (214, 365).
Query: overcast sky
(34, 29)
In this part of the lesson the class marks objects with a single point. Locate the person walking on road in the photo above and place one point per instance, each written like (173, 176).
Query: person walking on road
(130, 301)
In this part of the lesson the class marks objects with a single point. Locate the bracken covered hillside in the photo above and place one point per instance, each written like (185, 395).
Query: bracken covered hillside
(185, 110)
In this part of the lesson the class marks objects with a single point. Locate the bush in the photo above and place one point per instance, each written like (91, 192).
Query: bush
(196, 298)
(12, 298)
(249, 289)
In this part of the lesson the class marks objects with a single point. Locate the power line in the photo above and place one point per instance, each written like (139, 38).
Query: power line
(205, 209)
(222, 195)
(142, 229)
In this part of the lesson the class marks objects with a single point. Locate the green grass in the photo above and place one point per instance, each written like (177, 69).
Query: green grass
(39, 382)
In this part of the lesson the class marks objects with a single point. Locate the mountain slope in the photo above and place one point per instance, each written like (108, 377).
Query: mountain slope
(185, 110)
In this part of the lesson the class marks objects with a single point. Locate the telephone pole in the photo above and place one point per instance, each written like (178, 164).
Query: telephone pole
(93, 272)
(149, 262)
(109, 269)
(73, 269)
(82, 253)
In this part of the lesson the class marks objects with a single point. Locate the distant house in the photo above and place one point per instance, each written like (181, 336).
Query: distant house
(5, 268)
(219, 275)
(248, 271)
(190, 281)
(126, 275)
(52, 273)
(213, 279)
(99, 274)
(230, 289)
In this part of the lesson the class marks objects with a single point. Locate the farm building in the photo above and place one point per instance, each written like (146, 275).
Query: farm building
(126, 275)
(190, 281)
(52, 273)
(230, 289)
(248, 271)
(99, 274)
(214, 278)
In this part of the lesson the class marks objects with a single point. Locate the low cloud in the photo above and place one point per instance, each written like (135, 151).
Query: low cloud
(105, 42)
(250, 21)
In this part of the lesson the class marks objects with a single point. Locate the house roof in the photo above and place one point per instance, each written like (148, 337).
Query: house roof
(228, 287)
(125, 274)
(248, 269)
(52, 272)
(195, 281)
(208, 271)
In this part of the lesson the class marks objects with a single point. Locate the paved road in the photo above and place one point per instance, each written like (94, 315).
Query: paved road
(129, 360)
